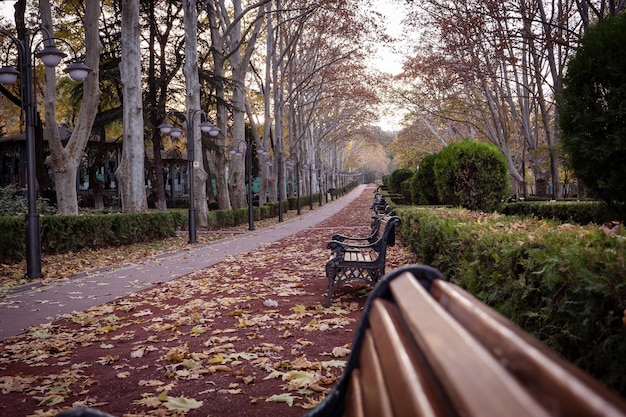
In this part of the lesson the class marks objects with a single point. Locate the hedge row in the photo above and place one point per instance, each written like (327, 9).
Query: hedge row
(562, 283)
(61, 234)
(581, 212)
(72, 233)
(228, 218)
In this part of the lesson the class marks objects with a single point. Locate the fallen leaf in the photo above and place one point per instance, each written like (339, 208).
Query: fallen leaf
(181, 403)
(283, 398)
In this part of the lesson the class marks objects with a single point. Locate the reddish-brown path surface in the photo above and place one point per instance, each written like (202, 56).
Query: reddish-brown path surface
(247, 336)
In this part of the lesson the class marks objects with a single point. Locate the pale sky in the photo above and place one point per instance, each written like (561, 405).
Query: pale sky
(388, 60)
(6, 9)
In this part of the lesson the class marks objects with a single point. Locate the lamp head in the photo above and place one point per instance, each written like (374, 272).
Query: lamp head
(176, 132)
(165, 128)
(77, 71)
(8, 75)
(214, 131)
(206, 127)
(51, 56)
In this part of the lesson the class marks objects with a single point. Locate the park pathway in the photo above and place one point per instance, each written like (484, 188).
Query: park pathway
(32, 305)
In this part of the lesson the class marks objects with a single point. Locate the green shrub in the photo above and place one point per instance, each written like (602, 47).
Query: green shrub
(471, 174)
(386, 182)
(591, 112)
(397, 177)
(581, 212)
(405, 190)
(562, 284)
(424, 189)
(72, 233)
(12, 238)
(13, 202)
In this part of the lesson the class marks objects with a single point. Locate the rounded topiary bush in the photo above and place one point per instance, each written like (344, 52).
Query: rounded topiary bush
(471, 174)
(397, 177)
(424, 190)
(593, 114)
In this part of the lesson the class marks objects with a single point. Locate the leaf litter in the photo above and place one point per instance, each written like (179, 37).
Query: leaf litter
(248, 334)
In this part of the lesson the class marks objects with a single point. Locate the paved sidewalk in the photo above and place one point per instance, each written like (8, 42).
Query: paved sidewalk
(39, 304)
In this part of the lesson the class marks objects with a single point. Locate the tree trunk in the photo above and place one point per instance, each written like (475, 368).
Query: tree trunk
(190, 69)
(156, 109)
(239, 61)
(64, 161)
(219, 160)
(130, 173)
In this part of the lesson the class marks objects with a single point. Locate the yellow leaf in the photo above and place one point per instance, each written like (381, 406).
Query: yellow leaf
(311, 326)
(217, 359)
(299, 309)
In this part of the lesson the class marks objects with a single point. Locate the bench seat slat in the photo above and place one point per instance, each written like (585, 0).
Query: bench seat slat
(357, 257)
(470, 375)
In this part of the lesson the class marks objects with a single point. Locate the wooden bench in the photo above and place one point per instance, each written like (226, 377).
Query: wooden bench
(425, 347)
(380, 205)
(376, 231)
(361, 259)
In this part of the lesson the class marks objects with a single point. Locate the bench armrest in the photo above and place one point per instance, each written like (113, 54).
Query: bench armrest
(342, 238)
(335, 244)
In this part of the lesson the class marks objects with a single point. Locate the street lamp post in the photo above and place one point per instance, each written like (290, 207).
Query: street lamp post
(310, 168)
(192, 164)
(51, 56)
(234, 150)
(319, 183)
(291, 164)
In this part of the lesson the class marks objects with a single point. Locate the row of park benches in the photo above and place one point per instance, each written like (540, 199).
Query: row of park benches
(362, 258)
(425, 347)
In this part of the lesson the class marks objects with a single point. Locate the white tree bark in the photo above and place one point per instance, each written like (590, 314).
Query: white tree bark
(130, 173)
(192, 101)
(214, 10)
(64, 160)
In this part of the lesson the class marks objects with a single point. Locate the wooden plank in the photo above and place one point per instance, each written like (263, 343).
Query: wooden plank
(354, 397)
(375, 396)
(475, 382)
(556, 384)
(411, 390)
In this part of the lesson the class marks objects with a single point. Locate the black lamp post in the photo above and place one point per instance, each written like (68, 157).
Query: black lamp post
(319, 184)
(310, 168)
(51, 56)
(192, 164)
(292, 163)
(234, 150)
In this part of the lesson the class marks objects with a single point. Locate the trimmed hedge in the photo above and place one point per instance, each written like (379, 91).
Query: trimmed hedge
(581, 212)
(72, 233)
(562, 283)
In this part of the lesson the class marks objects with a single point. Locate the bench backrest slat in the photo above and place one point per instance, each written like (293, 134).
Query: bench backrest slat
(408, 378)
(354, 397)
(468, 372)
(556, 383)
(376, 401)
